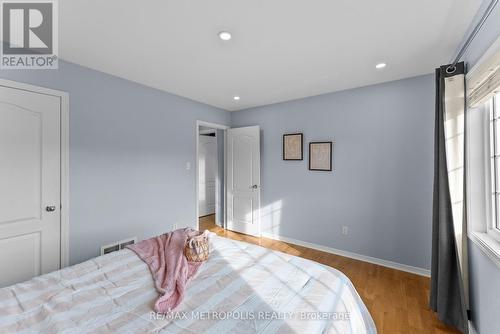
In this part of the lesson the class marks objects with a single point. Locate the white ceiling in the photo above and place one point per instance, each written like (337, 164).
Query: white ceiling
(281, 49)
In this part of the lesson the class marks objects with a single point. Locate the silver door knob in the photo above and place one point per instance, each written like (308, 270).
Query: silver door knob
(254, 186)
(50, 208)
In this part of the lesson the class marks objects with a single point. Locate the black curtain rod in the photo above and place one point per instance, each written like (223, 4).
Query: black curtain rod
(472, 35)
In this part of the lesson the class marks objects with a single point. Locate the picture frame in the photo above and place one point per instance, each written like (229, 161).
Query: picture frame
(293, 146)
(320, 156)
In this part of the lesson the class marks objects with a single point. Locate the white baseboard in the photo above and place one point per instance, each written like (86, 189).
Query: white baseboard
(472, 330)
(380, 262)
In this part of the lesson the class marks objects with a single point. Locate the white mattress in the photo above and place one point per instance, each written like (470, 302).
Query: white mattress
(242, 288)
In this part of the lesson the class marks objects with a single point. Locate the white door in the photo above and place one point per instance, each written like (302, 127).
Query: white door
(207, 169)
(30, 182)
(243, 178)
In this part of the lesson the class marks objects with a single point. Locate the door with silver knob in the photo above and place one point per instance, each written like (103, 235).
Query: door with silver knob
(243, 180)
(29, 184)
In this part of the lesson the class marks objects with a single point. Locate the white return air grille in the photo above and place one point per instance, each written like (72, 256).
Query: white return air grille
(116, 246)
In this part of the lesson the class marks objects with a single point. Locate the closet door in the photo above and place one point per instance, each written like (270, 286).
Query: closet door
(30, 184)
(207, 168)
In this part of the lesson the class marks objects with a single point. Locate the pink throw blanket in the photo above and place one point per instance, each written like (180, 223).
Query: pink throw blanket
(169, 267)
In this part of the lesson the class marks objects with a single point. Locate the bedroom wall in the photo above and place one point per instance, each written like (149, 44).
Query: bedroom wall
(381, 186)
(484, 274)
(129, 145)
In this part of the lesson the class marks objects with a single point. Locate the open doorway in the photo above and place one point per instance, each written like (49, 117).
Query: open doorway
(228, 178)
(210, 181)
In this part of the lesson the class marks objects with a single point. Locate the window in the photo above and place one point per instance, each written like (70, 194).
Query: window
(483, 176)
(483, 153)
(494, 111)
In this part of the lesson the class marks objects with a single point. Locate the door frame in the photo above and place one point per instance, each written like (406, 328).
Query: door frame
(197, 176)
(64, 131)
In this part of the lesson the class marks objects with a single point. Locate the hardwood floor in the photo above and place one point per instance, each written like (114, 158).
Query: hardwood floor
(397, 300)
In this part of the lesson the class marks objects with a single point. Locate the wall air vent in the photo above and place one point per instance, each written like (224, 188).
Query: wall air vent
(116, 246)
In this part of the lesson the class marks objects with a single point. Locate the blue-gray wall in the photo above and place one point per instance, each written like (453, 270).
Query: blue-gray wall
(381, 186)
(484, 282)
(484, 274)
(129, 145)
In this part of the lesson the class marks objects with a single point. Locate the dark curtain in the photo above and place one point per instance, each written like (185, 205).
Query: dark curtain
(447, 290)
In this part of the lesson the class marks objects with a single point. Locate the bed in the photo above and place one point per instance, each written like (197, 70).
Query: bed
(242, 288)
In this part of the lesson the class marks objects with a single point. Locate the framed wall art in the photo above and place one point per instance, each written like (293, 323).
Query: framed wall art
(320, 156)
(293, 146)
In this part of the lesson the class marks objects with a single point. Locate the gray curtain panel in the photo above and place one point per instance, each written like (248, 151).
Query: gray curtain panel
(448, 271)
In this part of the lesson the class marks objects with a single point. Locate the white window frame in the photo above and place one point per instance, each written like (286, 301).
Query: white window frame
(493, 185)
(482, 81)
(479, 186)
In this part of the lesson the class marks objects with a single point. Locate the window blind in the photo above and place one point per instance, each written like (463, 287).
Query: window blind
(483, 81)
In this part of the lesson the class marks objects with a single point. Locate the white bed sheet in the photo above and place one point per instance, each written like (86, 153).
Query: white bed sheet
(242, 288)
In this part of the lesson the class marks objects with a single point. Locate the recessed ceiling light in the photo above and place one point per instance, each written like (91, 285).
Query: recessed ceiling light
(225, 36)
(380, 66)
(236, 98)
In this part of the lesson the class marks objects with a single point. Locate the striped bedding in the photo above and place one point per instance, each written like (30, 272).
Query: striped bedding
(242, 288)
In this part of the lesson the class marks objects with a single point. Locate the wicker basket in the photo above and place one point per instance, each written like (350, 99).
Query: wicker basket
(196, 249)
